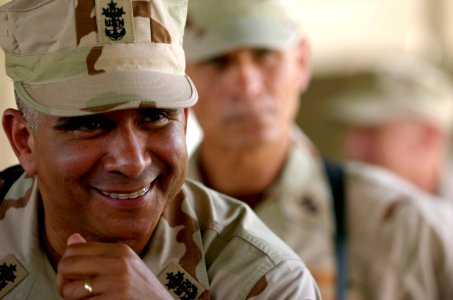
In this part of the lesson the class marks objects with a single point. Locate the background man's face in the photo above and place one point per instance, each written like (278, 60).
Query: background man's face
(247, 97)
(395, 144)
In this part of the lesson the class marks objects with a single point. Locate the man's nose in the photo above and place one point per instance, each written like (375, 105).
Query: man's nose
(127, 153)
(249, 80)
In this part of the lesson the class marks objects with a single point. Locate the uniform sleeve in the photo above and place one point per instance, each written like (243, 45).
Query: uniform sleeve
(417, 263)
(432, 266)
(288, 280)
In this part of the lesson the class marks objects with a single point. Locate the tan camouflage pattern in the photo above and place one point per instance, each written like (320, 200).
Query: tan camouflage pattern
(395, 239)
(216, 242)
(400, 241)
(297, 209)
(63, 62)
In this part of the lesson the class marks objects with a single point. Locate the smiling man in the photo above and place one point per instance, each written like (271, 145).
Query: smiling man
(99, 207)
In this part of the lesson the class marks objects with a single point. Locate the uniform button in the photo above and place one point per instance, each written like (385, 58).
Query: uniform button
(309, 205)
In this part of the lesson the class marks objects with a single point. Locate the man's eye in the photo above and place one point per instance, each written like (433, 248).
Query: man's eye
(91, 125)
(219, 62)
(157, 118)
(83, 124)
(263, 53)
(154, 117)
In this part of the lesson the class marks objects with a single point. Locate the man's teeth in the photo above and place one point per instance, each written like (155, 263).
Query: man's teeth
(136, 194)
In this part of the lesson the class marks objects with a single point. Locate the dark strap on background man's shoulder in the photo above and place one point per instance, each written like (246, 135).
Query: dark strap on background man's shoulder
(8, 177)
(335, 174)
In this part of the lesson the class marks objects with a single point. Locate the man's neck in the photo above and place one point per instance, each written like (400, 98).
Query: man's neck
(245, 174)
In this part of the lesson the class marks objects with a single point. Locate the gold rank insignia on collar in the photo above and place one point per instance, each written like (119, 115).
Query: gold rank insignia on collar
(180, 283)
(11, 274)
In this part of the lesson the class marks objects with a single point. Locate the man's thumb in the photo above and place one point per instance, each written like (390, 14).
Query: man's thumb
(75, 238)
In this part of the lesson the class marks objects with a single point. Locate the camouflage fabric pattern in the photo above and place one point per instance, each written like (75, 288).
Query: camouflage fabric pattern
(399, 245)
(69, 57)
(216, 248)
(297, 209)
(395, 241)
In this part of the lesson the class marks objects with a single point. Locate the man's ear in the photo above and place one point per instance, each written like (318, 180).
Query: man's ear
(20, 139)
(303, 53)
(431, 136)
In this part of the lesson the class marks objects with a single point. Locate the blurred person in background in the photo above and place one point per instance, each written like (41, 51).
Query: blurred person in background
(250, 61)
(399, 115)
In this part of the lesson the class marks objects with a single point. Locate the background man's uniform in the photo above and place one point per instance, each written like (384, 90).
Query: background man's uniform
(391, 246)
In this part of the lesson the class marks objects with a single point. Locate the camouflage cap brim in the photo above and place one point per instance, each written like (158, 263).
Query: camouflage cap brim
(108, 92)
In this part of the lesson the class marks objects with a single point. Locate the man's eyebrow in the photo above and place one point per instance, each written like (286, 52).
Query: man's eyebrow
(76, 119)
(66, 120)
(65, 123)
(63, 120)
(214, 59)
(169, 110)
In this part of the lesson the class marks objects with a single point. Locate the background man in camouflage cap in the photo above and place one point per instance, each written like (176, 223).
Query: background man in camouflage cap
(250, 61)
(103, 209)
(399, 115)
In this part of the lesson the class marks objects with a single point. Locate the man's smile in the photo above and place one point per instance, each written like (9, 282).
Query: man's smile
(118, 195)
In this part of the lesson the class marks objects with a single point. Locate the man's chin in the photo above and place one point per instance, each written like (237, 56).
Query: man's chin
(251, 140)
(128, 232)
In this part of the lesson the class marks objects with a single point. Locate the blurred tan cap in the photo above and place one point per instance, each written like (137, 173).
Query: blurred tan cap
(394, 90)
(216, 27)
(78, 57)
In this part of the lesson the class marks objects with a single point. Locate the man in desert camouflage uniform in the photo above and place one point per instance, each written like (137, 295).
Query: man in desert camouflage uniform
(397, 112)
(103, 209)
(250, 62)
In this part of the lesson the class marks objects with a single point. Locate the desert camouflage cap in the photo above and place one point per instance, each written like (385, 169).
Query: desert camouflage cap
(394, 89)
(218, 26)
(78, 57)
